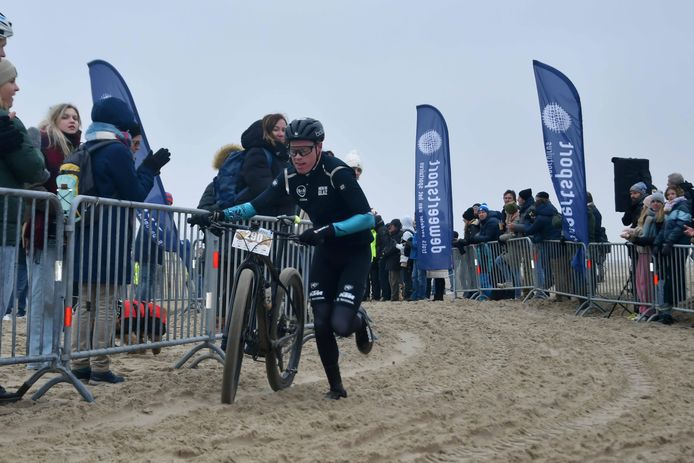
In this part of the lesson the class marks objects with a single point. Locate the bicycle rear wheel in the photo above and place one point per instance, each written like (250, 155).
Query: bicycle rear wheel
(235, 337)
(286, 331)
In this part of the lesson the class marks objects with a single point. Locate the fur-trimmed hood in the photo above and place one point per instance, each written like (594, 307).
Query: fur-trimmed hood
(223, 153)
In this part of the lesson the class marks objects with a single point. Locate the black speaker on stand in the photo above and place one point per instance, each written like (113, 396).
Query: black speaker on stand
(628, 171)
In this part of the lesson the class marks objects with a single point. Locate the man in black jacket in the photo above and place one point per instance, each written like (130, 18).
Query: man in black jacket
(637, 193)
(391, 256)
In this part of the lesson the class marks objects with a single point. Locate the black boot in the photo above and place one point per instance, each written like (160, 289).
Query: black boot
(364, 335)
(336, 391)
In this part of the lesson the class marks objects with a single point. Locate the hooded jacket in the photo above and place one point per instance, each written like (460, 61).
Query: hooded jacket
(256, 174)
(541, 229)
(675, 220)
(489, 230)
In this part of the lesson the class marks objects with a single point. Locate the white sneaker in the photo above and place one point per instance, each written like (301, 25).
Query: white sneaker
(7, 318)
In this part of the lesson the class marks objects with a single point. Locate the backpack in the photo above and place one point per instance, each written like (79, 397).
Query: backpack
(76, 176)
(226, 182)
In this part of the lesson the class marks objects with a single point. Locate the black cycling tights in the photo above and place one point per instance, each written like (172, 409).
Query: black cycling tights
(338, 318)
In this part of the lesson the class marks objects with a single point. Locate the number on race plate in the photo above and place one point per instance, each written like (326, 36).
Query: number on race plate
(257, 241)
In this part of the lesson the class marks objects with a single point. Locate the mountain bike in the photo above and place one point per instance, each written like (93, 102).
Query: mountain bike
(267, 315)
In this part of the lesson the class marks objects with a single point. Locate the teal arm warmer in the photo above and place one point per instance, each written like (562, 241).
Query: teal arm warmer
(355, 224)
(241, 212)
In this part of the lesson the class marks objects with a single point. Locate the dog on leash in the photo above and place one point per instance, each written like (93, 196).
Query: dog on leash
(138, 321)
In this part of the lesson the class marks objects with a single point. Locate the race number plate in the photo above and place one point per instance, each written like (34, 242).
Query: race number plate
(258, 241)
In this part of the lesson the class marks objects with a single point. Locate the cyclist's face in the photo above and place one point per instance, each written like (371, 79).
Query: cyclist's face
(304, 155)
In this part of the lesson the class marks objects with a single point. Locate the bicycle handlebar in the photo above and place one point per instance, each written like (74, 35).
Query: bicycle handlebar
(254, 226)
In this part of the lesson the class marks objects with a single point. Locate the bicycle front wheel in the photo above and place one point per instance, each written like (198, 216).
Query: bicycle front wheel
(286, 331)
(240, 309)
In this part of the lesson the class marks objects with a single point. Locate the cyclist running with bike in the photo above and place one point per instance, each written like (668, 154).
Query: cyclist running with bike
(327, 189)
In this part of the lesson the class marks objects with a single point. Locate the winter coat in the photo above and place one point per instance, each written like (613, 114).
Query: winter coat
(489, 230)
(207, 201)
(632, 214)
(256, 174)
(675, 220)
(18, 169)
(541, 229)
(391, 253)
(115, 177)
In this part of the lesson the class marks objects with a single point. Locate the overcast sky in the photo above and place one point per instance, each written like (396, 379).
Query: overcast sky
(202, 72)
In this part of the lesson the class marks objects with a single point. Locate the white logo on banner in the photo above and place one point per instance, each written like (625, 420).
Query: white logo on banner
(430, 142)
(555, 118)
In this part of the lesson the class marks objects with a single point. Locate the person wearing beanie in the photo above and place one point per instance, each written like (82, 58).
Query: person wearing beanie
(525, 194)
(10, 140)
(637, 193)
(353, 160)
(542, 195)
(21, 164)
(102, 279)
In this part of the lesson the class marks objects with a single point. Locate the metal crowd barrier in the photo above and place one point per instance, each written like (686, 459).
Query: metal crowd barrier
(31, 257)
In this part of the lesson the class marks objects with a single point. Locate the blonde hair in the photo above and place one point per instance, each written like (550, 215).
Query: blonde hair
(56, 137)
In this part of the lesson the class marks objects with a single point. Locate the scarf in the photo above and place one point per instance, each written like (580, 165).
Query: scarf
(105, 131)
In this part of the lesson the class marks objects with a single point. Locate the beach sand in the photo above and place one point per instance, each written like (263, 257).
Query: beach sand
(446, 381)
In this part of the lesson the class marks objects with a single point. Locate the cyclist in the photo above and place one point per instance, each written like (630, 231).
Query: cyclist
(327, 189)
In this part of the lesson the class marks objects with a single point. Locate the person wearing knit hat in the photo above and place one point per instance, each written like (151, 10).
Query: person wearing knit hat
(638, 187)
(469, 214)
(542, 195)
(637, 193)
(656, 196)
(11, 137)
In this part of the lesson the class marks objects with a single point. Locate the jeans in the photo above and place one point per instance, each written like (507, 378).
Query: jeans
(149, 287)
(43, 310)
(419, 282)
(22, 286)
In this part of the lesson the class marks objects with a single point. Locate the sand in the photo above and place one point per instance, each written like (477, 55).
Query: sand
(451, 381)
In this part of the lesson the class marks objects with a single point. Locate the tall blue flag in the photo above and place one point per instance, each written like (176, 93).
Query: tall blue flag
(433, 197)
(107, 81)
(562, 128)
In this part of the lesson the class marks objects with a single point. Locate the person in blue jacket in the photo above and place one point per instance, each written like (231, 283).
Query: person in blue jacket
(102, 251)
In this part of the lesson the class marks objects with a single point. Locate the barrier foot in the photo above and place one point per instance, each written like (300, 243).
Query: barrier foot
(65, 376)
(216, 353)
(587, 306)
(535, 294)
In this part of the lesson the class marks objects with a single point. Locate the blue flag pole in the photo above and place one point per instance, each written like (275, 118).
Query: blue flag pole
(433, 194)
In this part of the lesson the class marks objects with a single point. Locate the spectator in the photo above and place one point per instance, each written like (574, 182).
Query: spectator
(353, 160)
(509, 197)
(60, 135)
(265, 135)
(419, 275)
(649, 225)
(102, 267)
(508, 262)
(672, 261)
(489, 231)
(540, 230)
(677, 180)
(597, 234)
(376, 252)
(391, 257)
(20, 164)
(631, 216)
(207, 200)
(405, 264)
(383, 242)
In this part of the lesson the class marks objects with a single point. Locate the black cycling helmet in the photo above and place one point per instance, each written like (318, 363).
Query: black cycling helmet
(305, 129)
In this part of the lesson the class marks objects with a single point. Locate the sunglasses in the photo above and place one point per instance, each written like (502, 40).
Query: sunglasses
(301, 151)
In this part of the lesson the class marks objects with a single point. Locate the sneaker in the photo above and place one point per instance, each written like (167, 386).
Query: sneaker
(336, 394)
(83, 374)
(364, 336)
(7, 318)
(504, 285)
(110, 377)
(666, 319)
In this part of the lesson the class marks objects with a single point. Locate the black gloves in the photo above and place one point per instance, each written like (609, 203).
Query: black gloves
(316, 236)
(666, 250)
(205, 219)
(156, 161)
(10, 137)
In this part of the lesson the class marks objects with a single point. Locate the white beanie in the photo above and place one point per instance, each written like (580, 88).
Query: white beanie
(353, 160)
(7, 72)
